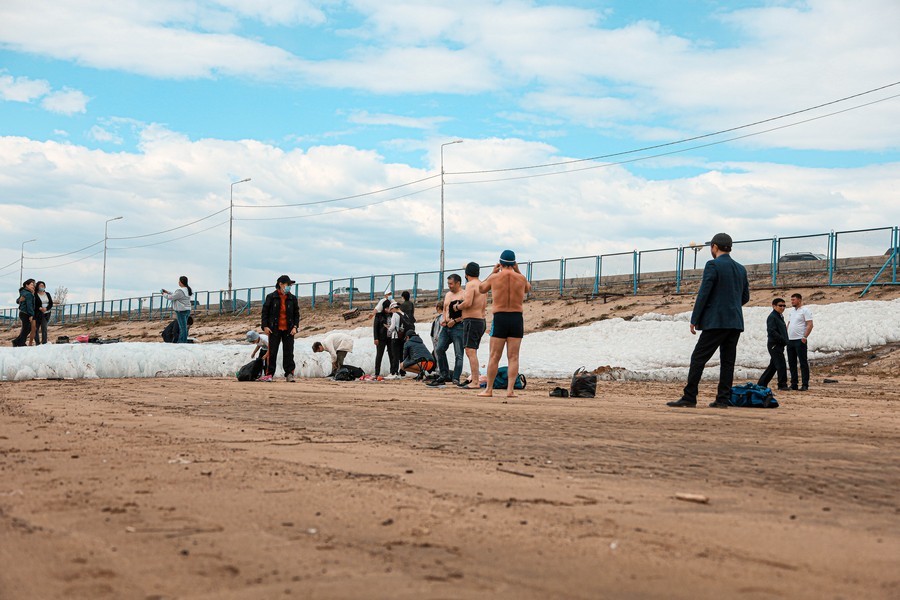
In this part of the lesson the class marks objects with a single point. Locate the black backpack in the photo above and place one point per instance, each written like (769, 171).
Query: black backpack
(584, 384)
(251, 371)
(348, 373)
(406, 323)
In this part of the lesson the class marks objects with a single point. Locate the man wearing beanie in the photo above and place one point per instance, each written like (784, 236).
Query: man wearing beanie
(508, 288)
(720, 318)
(474, 307)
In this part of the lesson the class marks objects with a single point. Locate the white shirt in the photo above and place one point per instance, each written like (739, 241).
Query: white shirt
(263, 341)
(797, 322)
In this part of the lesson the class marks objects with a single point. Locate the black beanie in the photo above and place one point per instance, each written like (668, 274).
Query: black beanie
(472, 269)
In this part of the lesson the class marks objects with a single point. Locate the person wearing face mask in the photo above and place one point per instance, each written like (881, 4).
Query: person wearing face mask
(43, 306)
(280, 319)
(26, 312)
(181, 304)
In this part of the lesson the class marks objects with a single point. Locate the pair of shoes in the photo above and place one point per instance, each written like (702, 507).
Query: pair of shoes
(683, 403)
(437, 383)
(463, 384)
(266, 378)
(794, 388)
(783, 388)
(718, 404)
(391, 377)
(804, 388)
(289, 378)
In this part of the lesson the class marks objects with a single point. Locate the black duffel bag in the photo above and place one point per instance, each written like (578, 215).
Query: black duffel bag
(584, 384)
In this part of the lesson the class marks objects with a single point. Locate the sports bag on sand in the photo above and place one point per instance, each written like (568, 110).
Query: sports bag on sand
(751, 395)
(348, 373)
(501, 381)
(251, 371)
(584, 384)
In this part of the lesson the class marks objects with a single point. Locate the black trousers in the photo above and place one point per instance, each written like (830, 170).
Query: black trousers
(776, 365)
(25, 332)
(283, 338)
(395, 353)
(796, 350)
(382, 347)
(723, 340)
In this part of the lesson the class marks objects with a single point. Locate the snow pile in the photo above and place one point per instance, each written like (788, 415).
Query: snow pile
(651, 346)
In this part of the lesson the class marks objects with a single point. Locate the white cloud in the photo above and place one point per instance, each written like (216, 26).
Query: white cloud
(99, 134)
(22, 89)
(365, 118)
(276, 12)
(66, 102)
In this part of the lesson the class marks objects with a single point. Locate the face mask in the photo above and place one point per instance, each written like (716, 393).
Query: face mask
(40, 289)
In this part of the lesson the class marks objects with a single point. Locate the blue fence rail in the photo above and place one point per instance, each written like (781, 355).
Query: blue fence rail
(856, 258)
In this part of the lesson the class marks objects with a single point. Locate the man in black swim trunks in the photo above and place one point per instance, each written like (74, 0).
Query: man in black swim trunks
(474, 307)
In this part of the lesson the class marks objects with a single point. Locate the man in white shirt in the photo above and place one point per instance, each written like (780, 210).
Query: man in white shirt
(338, 345)
(800, 325)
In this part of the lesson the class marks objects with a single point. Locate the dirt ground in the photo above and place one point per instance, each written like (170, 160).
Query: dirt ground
(208, 488)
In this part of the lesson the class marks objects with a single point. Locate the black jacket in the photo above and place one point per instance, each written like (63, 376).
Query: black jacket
(38, 303)
(723, 291)
(776, 329)
(414, 350)
(170, 333)
(272, 308)
(379, 326)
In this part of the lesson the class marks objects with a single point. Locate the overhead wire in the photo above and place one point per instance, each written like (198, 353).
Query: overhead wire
(171, 240)
(681, 141)
(134, 237)
(62, 255)
(67, 263)
(671, 152)
(387, 189)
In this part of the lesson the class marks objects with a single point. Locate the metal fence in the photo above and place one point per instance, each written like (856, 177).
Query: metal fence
(864, 257)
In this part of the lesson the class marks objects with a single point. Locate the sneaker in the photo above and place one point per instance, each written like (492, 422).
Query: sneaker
(437, 383)
(266, 378)
(682, 403)
(804, 388)
(289, 378)
(718, 404)
(783, 388)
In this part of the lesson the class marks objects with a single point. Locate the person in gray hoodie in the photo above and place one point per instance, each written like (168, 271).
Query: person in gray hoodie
(181, 304)
(26, 312)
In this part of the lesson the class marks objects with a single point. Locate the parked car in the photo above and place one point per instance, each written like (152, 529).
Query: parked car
(800, 256)
(345, 291)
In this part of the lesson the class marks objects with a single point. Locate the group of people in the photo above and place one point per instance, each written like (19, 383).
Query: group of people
(718, 315)
(35, 310)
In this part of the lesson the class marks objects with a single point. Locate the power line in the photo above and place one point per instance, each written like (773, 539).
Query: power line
(61, 255)
(340, 210)
(134, 237)
(68, 263)
(172, 240)
(388, 189)
(680, 150)
(682, 141)
(9, 265)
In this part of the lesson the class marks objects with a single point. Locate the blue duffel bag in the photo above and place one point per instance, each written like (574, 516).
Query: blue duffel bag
(751, 395)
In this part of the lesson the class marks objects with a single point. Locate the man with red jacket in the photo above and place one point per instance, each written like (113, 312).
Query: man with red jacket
(280, 319)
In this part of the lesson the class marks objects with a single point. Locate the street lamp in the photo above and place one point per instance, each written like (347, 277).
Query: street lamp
(22, 258)
(103, 286)
(696, 248)
(231, 228)
(442, 198)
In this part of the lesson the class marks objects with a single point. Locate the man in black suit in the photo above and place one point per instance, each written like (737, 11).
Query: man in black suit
(720, 318)
(777, 335)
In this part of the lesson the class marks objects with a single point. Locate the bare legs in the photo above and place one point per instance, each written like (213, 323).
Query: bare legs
(512, 346)
(474, 369)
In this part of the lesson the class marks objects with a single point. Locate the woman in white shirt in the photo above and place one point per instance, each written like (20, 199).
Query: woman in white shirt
(43, 304)
(181, 304)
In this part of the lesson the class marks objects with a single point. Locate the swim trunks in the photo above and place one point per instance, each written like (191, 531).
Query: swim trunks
(508, 325)
(473, 330)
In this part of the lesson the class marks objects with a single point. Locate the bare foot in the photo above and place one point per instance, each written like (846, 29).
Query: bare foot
(511, 395)
(485, 395)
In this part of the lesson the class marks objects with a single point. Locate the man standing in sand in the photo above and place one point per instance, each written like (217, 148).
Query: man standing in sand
(800, 325)
(451, 333)
(474, 308)
(719, 315)
(508, 288)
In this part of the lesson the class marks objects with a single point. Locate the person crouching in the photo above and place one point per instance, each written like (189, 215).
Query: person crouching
(416, 357)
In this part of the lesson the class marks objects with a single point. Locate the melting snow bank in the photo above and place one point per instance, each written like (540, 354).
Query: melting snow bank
(649, 347)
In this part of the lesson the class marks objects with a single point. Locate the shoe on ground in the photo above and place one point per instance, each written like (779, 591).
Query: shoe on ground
(783, 388)
(437, 383)
(718, 404)
(419, 377)
(805, 388)
(289, 378)
(683, 403)
(794, 388)
(463, 384)
(266, 378)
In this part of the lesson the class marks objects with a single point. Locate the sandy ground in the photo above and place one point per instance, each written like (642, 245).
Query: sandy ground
(204, 488)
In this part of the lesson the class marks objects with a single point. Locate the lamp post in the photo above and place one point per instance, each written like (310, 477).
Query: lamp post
(442, 199)
(696, 248)
(231, 228)
(22, 258)
(103, 285)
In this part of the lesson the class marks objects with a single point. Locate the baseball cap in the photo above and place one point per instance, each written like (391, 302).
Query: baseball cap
(507, 258)
(286, 279)
(252, 336)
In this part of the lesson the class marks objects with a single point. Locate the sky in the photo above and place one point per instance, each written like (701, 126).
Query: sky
(341, 110)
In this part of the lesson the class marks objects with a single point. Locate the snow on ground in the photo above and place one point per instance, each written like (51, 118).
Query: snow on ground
(651, 346)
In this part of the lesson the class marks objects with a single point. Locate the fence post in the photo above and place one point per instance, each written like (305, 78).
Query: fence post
(562, 275)
(679, 263)
(896, 253)
(393, 286)
(350, 293)
(776, 246)
(415, 290)
(832, 254)
(596, 275)
(331, 292)
(313, 303)
(635, 268)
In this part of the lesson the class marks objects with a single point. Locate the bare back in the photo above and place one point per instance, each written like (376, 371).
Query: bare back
(508, 289)
(475, 302)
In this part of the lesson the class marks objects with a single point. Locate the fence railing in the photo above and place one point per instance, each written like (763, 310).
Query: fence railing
(862, 257)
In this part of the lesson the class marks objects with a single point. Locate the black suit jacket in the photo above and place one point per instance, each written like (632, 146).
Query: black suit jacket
(776, 329)
(272, 308)
(723, 291)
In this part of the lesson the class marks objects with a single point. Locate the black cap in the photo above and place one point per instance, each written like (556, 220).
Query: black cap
(286, 279)
(722, 240)
(410, 332)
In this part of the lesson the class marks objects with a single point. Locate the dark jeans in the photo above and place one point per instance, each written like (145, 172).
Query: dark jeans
(283, 338)
(395, 354)
(796, 349)
(776, 365)
(182, 317)
(25, 332)
(382, 347)
(41, 336)
(450, 335)
(723, 340)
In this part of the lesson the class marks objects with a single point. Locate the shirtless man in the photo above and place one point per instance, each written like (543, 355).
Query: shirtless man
(508, 288)
(474, 307)
(451, 333)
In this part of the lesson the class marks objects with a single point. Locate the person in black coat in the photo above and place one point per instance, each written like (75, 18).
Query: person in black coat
(280, 319)
(380, 333)
(719, 316)
(777, 338)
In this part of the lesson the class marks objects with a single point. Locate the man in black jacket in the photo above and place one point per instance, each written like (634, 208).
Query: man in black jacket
(777, 340)
(280, 319)
(718, 314)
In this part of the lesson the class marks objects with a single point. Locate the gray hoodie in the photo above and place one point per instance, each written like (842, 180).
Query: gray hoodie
(180, 300)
